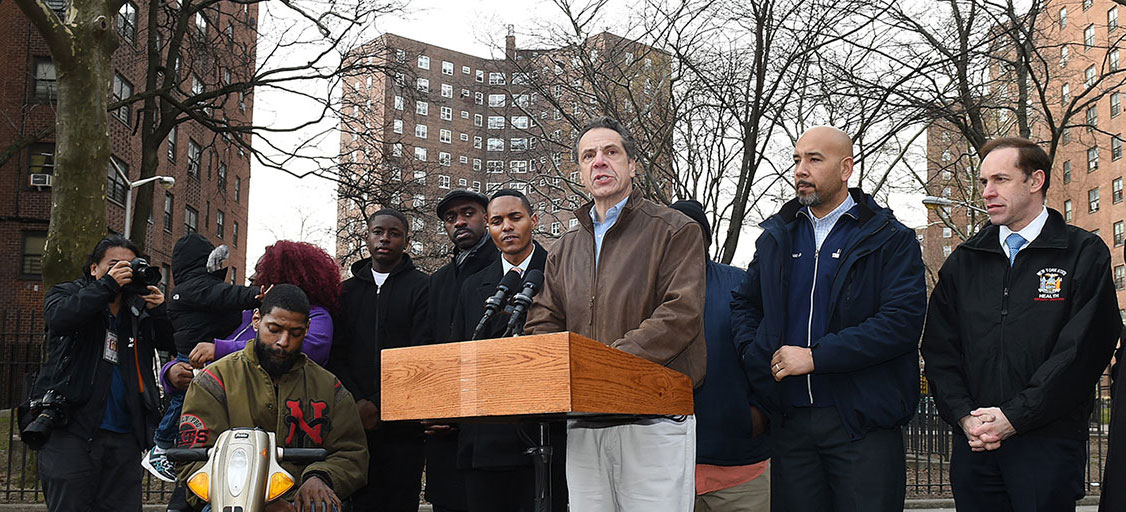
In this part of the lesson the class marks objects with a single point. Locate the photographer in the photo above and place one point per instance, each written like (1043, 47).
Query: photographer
(102, 403)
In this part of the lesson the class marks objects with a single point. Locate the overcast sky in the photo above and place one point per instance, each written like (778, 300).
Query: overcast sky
(284, 207)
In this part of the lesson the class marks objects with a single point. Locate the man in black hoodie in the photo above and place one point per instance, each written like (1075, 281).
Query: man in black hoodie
(463, 212)
(1021, 324)
(383, 305)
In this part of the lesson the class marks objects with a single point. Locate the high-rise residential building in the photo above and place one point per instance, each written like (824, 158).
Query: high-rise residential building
(1083, 78)
(212, 172)
(436, 119)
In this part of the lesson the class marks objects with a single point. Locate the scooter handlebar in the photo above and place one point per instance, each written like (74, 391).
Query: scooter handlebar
(186, 454)
(303, 455)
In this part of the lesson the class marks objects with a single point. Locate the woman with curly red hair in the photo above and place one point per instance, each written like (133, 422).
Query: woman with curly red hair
(317, 274)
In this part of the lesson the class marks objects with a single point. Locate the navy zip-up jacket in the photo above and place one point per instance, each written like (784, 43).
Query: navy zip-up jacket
(877, 303)
(723, 401)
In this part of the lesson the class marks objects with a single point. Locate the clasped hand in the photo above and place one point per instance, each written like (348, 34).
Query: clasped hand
(986, 427)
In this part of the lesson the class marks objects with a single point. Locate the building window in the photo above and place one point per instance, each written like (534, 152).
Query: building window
(447, 68)
(398, 102)
(397, 126)
(496, 100)
(465, 114)
(445, 136)
(31, 257)
(1092, 159)
(1065, 94)
(420, 177)
(234, 234)
(191, 219)
(520, 122)
(1066, 135)
(41, 159)
(518, 144)
(947, 232)
(195, 154)
(476, 142)
(465, 70)
(518, 166)
(122, 89)
(172, 144)
(447, 114)
(443, 181)
(219, 219)
(200, 24)
(419, 201)
(946, 250)
(1067, 171)
(1116, 190)
(1091, 75)
(476, 164)
(494, 144)
(1119, 277)
(127, 22)
(480, 76)
(1089, 37)
(556, 228)
(423, 62)
(494, 166)
(464, 137)
(420, 131)
(1063, 18)
(1092, 117)
(444, 159)
(479, 98)
(422, 108)
(1112, 59)
(45, 80)
(1119, 233)
(397, 149)
(168, 205)
(1068, 211)
(572, 223)
(447, 91)
(420, 154)
(1115, 104)
(423, 85)
(496, 122)
(221, 174)
(1112, 19)
(1093, 200)
(117, 188)
(496, 79)
(478, 119)
(1115, 147)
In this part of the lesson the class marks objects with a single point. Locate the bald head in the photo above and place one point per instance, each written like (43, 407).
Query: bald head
(822, 167)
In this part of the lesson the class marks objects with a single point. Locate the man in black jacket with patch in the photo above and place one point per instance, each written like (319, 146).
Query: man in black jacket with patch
(1021, 324)
(101, 333)
(383, 305)
(463, 213)
(498, 472)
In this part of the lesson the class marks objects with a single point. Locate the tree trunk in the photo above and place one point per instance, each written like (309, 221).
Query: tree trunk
(82, 146)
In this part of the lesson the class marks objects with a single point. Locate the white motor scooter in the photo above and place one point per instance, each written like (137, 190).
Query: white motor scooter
(242, 471)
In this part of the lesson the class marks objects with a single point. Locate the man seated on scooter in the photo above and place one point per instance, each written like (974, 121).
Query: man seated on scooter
(272, 385)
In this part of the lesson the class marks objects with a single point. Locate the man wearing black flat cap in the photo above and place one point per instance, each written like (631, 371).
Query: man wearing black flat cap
(463, 213)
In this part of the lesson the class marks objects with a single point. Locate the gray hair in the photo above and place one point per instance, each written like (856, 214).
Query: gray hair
(628, 142)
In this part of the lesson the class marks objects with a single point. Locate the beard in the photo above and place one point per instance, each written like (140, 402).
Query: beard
(810, 199)
(276, 368)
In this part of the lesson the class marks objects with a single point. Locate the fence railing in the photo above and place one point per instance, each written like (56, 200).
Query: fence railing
(927, 438)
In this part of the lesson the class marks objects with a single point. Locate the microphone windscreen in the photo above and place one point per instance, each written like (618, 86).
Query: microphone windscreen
(534, 280)
(510, 280)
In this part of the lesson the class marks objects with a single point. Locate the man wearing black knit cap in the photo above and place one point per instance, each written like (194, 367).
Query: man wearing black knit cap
(463, 213)
(732, 451)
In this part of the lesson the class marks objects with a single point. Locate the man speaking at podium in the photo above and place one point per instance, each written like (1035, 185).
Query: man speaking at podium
(632, 277)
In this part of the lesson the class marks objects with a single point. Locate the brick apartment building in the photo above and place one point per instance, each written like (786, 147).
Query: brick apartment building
(1088, 170)
(440, 119)
(212, 175)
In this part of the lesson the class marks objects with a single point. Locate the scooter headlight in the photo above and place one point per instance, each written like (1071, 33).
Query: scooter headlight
(237, 466)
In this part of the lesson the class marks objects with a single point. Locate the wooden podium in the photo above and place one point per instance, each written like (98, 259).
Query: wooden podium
(542, 376)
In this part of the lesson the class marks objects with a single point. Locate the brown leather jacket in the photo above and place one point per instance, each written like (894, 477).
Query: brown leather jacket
(647, 295)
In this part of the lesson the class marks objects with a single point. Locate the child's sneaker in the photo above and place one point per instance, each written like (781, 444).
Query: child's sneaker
(157, 463)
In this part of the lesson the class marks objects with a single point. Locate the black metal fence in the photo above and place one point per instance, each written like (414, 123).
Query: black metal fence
(928, 439)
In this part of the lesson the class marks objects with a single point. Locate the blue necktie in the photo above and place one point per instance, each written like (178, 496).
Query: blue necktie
(1015, 242)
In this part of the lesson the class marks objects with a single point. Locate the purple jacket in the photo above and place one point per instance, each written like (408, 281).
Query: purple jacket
(318, 340)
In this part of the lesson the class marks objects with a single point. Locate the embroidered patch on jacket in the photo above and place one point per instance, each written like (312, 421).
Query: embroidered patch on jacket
(1051, 284)
(299, 428)
(193, 432)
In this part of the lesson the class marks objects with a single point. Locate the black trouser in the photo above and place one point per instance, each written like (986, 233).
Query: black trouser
(81, 475)
(1026, 474)
(394, 475)
(445, 484)
(816, 466)
(513, 489)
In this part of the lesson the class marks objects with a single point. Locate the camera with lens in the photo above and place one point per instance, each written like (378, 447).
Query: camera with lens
(143, 277)
(47, 415)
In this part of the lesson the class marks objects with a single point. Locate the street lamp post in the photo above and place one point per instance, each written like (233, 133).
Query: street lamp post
(933, 202)
(167, 181)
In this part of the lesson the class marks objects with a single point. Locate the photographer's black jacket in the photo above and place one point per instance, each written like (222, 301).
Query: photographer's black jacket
(201, 305)
(76, 321)
(1031, 339)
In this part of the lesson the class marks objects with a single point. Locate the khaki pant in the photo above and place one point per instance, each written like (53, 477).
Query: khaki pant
(753, 496)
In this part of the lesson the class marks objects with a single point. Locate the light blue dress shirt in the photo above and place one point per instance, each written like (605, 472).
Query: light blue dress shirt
(601, 227)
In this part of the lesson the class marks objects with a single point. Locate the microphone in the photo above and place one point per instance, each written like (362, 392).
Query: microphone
(493, 304)
(532, 285)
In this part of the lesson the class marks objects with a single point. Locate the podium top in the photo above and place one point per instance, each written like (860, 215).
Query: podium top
(543, 376)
